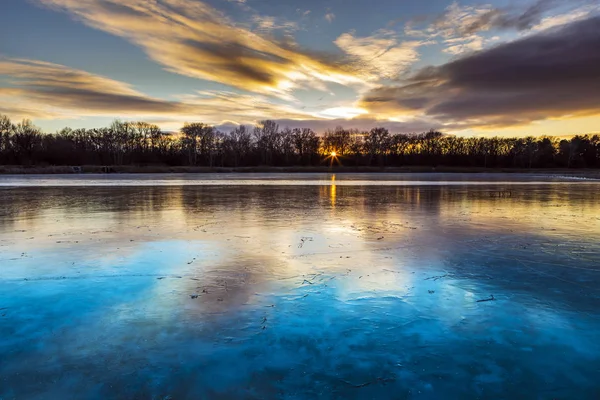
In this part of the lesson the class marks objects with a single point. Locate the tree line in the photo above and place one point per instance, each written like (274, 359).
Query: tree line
(267, 144)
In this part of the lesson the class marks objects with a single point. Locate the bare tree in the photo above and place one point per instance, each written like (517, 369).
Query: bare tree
(201, 144)
(377, 144)
(27, 139)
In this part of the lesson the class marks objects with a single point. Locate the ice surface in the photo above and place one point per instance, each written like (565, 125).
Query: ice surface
(288, 179)
(308, 290)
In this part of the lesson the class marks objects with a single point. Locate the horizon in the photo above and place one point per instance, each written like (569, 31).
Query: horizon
(227, 129)
(495, 68)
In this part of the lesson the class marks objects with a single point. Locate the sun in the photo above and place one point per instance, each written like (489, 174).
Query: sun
(333, 154)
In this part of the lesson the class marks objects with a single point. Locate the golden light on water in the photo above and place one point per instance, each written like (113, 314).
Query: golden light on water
(332, 189)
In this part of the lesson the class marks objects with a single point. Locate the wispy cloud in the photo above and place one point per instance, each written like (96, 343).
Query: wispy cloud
(526, 18)
(330, 17)
(268, 24)
(456, 21)
(468, 44)
(47, 90)
(552, 21)
(304, 13)
(193, 39)
(56, 87)
(465, 20)
(381, 55)
(461, 27)
(457, 28)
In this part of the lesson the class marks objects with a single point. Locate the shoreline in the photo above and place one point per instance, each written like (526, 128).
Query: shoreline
(129, 169)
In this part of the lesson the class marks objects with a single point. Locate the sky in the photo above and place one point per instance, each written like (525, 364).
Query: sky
(498, 67)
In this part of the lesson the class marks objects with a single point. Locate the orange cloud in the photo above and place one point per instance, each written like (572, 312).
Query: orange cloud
(193, 39)
(46, 90)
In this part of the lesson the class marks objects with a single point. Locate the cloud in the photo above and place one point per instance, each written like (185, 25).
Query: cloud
(457, 28)
(464, 45)
(380, 55)
(330, 17)
(460, 26)
(60, 87)
(527, 18)
(237, 107)
(47, 90)
(460, 20)
(193, 39)
(551, 74)
(562, 19)
(467, 44)
(17, 113)
(303, 13)
(267, 24)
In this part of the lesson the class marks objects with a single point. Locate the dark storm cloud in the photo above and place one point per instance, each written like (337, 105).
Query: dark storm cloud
(552, 74)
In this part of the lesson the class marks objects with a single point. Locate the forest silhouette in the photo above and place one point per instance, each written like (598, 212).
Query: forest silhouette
(268, 144)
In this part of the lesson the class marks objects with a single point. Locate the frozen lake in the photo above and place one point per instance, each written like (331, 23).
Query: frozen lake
(299, 286)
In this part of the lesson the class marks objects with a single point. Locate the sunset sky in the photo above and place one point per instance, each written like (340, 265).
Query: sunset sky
(502, 67)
